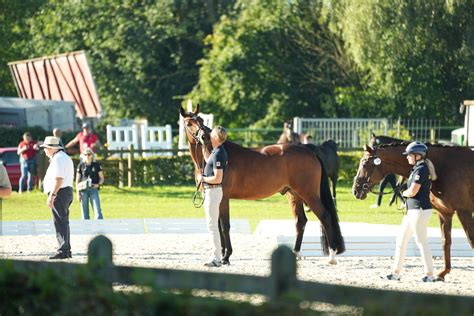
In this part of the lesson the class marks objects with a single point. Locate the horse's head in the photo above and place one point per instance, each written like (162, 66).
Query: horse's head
(196, 131)
(369, 173)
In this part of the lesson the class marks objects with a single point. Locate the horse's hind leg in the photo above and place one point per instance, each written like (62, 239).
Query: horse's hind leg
(300, 219)
(445, 220)
(224, 226)
(467, 221)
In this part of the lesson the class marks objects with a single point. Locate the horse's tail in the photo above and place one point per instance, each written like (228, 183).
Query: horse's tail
(331, 144)
(328, 202)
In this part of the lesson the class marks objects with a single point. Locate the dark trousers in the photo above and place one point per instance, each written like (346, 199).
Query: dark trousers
(61, 218)
(392, 180)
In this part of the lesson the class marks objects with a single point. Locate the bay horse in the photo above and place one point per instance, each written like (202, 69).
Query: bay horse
(452, 192)
(253, 174)
(327, 151)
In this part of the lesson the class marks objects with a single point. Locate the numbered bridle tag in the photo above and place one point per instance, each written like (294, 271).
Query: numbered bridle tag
(377, 161)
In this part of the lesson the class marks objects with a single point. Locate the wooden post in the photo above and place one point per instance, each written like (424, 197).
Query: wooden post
(131, 163)
(432, 135)
(99, 258)
(121, 169)
(283, 272)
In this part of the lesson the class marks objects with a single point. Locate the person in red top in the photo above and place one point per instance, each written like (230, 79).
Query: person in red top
(86, 139)
(27, 152)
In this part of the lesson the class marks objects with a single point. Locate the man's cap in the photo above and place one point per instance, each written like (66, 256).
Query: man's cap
(51, 142)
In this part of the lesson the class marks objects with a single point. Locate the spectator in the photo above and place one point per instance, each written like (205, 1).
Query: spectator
(58, 133)
(5, 185)
(89, 178)
(86, 139)
(58, 186)
(27, 152)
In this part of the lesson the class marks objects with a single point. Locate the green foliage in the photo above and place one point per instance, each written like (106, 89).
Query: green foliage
(261, 67)
(142, 54)
(415, 57)
(11, 137)
(52, 292)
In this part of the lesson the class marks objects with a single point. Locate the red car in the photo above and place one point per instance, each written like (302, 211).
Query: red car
(11, 161)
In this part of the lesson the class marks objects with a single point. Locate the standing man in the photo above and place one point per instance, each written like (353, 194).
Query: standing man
(58, 185)
(212, 179)
(5, 185)
(27, 151)
(86, 139)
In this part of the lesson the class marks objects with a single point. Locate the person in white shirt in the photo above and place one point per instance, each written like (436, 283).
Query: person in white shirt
(57, 184)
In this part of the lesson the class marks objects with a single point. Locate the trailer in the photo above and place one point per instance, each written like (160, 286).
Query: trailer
(47, 114)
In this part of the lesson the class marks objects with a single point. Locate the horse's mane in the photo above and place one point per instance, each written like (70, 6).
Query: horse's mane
(437, 145)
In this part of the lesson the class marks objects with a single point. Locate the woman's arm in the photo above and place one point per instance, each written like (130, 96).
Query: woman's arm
(412, 190)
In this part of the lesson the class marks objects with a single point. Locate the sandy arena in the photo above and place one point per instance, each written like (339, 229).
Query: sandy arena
(251, 256)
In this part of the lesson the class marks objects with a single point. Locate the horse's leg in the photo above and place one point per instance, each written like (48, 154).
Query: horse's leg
(445, 220)
(224, 221)
(467, 221)
(300, 219)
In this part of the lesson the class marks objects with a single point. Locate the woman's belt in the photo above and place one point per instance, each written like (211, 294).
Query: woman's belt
(210, 186)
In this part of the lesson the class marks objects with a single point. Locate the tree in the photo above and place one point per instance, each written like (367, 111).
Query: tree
(261, 68)
(142, 54)
(416, 56)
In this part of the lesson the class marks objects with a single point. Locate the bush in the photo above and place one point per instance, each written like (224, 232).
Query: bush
(51, 292)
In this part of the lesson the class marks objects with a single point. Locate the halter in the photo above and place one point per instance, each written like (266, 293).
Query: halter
(366, 186)
(197, 136)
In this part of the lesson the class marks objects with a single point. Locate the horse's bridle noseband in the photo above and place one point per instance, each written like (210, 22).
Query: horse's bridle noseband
(197, 136)
(367, 186)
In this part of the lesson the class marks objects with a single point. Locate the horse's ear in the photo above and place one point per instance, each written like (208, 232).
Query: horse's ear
(373, 135)
(368, 149)
(197, 109)
(182, 112)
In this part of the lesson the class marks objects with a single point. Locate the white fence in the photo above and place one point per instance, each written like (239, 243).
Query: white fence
(354, 133)
(349, 133)
(150, 137)
(156, 137)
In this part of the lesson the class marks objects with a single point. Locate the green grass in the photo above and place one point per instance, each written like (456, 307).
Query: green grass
(176, 202)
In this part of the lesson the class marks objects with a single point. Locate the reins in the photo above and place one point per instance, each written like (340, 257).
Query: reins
(198, 197)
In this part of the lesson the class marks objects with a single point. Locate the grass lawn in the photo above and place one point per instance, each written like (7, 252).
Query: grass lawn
(176, 202)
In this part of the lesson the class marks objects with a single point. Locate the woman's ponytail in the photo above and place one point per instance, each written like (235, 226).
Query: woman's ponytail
(431, 167)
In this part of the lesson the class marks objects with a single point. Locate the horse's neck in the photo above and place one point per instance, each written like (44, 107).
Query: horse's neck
(196, 155)
(394, 161)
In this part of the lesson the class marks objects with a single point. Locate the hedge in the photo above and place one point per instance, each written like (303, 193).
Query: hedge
(47, 292)
(179, 170)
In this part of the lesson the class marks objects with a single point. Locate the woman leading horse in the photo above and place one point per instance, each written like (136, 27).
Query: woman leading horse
(452, 192)
(256, 174)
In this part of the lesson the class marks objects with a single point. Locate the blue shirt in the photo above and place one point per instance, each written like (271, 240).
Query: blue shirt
(420, 174)
(217, 160)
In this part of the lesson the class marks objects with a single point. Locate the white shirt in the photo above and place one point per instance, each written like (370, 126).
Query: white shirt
(60, 166)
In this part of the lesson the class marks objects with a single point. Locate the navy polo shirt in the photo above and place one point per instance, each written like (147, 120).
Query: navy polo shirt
(217, 160)
(420, 174)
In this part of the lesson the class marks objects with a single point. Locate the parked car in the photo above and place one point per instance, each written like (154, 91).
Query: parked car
(11, 161)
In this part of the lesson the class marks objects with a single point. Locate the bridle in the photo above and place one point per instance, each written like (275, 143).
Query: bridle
(367, 186)
(197, 137)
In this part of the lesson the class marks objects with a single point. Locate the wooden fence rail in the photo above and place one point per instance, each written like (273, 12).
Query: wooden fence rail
(280, 286)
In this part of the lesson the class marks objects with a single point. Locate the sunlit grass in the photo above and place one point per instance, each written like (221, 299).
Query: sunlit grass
(176, 202)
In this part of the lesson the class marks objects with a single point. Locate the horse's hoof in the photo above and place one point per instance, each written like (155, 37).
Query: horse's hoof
(225, 262)
(297, 255)
(332, 261)
(439, 279)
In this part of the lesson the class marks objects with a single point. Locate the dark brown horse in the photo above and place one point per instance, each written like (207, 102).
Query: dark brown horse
(452, 192)
(256, 174)
(327, 151)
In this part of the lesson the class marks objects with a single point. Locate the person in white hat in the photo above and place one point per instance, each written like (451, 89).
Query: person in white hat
(57, 184)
